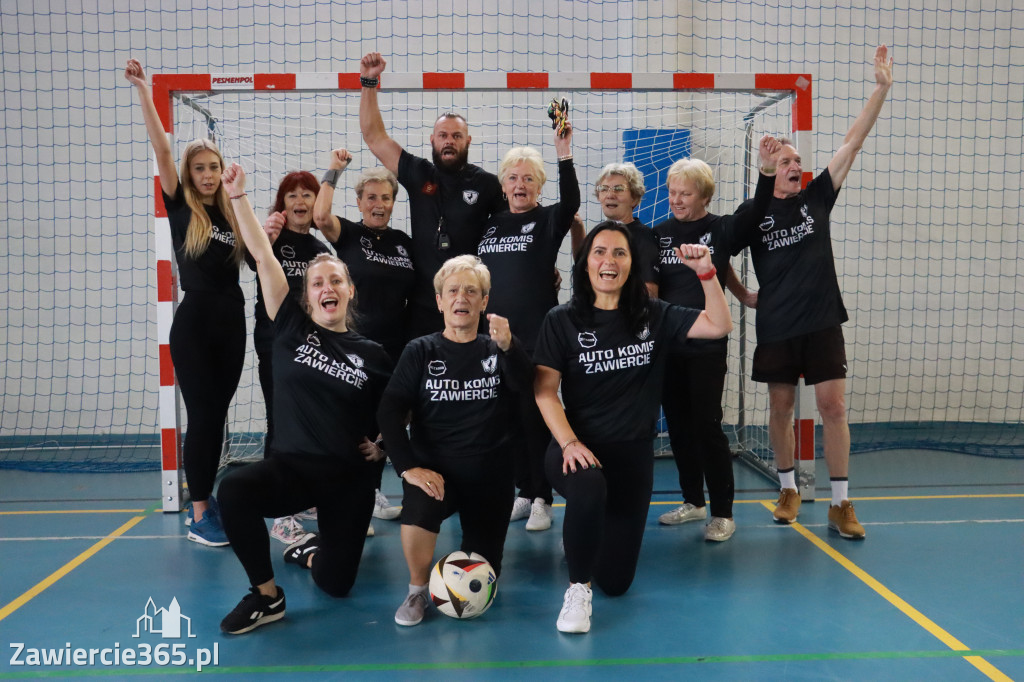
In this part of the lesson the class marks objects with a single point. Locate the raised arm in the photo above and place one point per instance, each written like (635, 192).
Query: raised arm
(545, 390)
(157, 137)
(568, 183)
(841, 163)
(387, 151)
(323, 217)
(714, 321)
(272, 278)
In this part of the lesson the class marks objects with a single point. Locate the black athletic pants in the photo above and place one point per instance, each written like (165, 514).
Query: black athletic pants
(207, 343)
(530, 440)
(692, 401)
(286, 484)
(605, 511)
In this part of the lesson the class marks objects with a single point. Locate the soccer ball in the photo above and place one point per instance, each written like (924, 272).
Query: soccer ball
(462, 585)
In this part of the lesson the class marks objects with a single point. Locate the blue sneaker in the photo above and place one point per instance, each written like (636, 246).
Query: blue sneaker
(190, 517)
(209, 530)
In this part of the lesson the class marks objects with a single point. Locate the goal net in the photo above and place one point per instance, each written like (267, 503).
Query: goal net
(271, 132)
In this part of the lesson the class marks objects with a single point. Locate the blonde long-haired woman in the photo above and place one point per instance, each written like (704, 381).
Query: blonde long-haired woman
(207, 336)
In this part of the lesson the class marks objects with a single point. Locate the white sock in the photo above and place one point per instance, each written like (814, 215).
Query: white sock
(417, 589)
(787, 479)
(840, 490)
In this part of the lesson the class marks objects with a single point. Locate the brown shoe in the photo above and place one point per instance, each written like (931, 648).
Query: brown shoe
(843, 520)
(788, 506)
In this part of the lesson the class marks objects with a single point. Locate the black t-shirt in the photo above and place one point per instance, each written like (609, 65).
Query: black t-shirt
(381, 266)
(458, 394)
(792, 254)
(465, 199)
(520, 249)
(215, 270)
(327, 386)
(646, 250)
(721, 234)
(611, 377)
(293, 250)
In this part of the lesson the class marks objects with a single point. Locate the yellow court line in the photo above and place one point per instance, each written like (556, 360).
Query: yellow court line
(877, 499)
(949, 640)
(73, 511)
(67, 568)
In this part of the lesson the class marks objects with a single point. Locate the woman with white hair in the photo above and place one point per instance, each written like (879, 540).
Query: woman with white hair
(695, 379)
(619, 189)
(455, 385)
(520, 247)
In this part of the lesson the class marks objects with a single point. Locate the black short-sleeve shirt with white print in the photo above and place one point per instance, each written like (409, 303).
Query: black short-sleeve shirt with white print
(520, 250)
(293, 250)
(791, 249)
(458, 394)
(215, 270)
(380, 262)
(327, 386)
(612, 377)
(464, 199)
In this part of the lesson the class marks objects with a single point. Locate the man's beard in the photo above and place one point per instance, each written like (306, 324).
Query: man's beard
(452, 165)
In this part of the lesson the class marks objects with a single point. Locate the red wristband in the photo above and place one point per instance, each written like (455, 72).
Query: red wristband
(710, 274)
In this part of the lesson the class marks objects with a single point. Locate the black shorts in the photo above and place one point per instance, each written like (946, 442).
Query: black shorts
(818, 356)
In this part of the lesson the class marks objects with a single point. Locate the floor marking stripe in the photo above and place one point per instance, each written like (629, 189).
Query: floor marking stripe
(929, 625)
(68, 567)
(987, 496)
(74, 511)
(493, 665)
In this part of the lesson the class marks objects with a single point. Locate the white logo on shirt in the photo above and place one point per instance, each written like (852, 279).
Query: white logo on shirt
(287, 251)
(401, 251)
(587, 339)
(470, 196)
(313, 339)
(490, 364)
(528, 227)
(490, 231)
(767, 224)
(644, 333)
(367, 244)
(666, 242)
(436, 368)
(356, 361)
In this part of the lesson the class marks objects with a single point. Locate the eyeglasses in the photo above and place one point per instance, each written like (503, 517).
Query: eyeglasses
(611, 188)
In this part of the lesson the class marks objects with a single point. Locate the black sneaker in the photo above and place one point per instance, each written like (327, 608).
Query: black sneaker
(253, 611)
(298, 552)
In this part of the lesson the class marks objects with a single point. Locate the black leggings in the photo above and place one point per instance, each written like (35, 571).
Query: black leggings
(286, 484)
(605, 511)
(480, 489)
(530, 440)
(692, 400)
(207, 343)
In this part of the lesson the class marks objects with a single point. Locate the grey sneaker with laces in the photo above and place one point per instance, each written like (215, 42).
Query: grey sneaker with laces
(521, 509)
(412, 609)
(719, 529)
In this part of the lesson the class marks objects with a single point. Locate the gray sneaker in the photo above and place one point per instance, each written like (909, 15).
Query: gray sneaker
(719, 529)
(521, 509)
(411, 611)
(683, 514)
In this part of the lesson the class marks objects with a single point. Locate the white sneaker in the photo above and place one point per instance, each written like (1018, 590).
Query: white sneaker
(370, 531)
(383, 509)
(683, 514)
(287, 529)
(521, 509)
(540, 515)
(576, 609)
(719, 529)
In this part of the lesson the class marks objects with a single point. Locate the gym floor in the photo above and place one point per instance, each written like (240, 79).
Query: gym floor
(933, 593)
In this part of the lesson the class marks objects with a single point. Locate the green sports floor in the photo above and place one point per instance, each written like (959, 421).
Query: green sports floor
(935, 592)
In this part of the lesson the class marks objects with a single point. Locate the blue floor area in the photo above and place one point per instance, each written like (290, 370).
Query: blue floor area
(939, 573)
